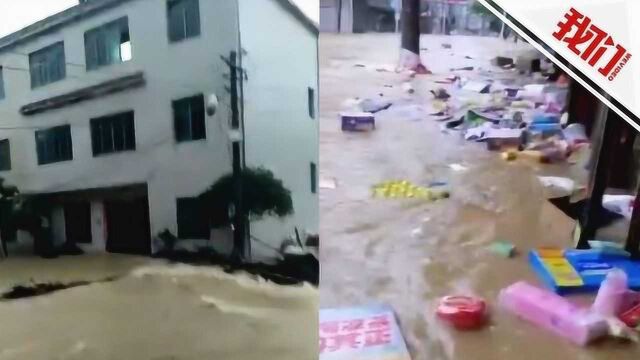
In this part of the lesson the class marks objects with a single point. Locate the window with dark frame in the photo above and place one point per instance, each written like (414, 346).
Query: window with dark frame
(311, 98)
(5, 155)
(193, 222)
(1, 84)
(183, 19)
(108, 44)
(113, 133)
(313, 172)
(189, 118)
(54, 144)
(47, 65)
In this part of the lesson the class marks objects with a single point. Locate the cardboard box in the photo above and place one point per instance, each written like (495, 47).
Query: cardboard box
(363, 333)
(360, 121)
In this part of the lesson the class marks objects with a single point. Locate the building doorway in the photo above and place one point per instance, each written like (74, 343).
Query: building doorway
(128, 226)
(77, 219)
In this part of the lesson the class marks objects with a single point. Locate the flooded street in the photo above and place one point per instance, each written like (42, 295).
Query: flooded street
(153, 310)
(409, 253)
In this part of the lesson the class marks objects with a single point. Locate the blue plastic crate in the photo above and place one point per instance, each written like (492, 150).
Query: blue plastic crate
(590, 266)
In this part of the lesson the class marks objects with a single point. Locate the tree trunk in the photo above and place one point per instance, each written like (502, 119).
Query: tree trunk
(410, 43)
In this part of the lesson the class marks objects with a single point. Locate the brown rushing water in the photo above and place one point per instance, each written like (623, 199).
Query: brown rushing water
(372, 249)
(153, 311)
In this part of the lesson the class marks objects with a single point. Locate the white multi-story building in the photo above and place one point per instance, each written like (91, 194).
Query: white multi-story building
(102, 114)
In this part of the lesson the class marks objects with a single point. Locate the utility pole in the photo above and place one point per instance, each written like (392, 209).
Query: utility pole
(239, 221)
(502, 27)
(410, 38)
(339, 16)
(397, 6)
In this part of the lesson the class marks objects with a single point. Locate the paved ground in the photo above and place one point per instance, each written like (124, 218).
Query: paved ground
(409, 253)
(153, 311)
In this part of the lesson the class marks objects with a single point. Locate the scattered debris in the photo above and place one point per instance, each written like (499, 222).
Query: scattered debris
(552, 312)
(422, 70)
(509, 155)
(533, 92)
(560, 186)
(440, 94)
(577, 270)
(37, 289)
(437, 183)
(386, 68)
(502, 61)
(477, 116)
(619, 204)
(631, 317)
(362, 121)
(408, 88)
(464, 68)
(374, 317)
(327, 183)
(416, 233)
(463, 312)
(454, 123)
(440, 105)
(477, 133)
(503, 138)
(511, 92)
(477, 86)
(599, 244)
(374, 105)
(441, 118)
(608, 301)
(523, 104)
(458, 167)
(503, 248)
(404, 189)
(351, 104)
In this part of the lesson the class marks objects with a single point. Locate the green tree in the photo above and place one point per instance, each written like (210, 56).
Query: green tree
(262, 195)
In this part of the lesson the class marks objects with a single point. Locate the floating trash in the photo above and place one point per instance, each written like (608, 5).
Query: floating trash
(403, 189)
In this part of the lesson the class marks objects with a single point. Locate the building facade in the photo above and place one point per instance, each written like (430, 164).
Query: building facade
(102, 113)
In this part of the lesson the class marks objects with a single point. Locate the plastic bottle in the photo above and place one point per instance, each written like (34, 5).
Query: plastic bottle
(611, 293)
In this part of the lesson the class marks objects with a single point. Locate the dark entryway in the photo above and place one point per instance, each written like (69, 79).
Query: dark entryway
(128, 226)
(77, 219)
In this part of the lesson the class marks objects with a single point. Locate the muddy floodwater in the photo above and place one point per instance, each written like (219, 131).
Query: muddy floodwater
(409, 253)
(152, 310)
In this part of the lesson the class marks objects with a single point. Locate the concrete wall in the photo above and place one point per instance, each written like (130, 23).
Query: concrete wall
(172, 70)
(329, 13)
(57, 224)
(279, 133)
(98, 228)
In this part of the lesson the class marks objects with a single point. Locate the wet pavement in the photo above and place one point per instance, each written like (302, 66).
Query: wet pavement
(154, 310)
(408, 253)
